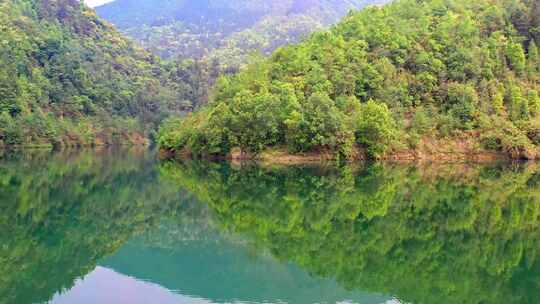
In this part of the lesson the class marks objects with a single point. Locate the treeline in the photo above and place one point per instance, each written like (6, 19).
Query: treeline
(384, 79)
(69, 78)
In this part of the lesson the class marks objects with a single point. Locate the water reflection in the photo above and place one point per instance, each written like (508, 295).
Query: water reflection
(61, 213)
(115, 226)
(439, 234)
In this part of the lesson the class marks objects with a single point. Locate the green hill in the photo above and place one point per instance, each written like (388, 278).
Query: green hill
(69, 78)
(222, 30)
(407, 80)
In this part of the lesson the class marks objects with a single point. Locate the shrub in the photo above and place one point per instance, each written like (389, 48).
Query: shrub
(492, 141)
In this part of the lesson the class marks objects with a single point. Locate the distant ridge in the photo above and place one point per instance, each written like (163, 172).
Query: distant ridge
(223, 30)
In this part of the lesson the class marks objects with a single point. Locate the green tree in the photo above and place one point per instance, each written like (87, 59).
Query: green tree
(534, 102)
(57, 60)
(254, 121)
(516, 56)
(497, 102)
(375, 128)
(10, 130)
(533, 61)
(517, 104)
(462, 103)
(319, 124)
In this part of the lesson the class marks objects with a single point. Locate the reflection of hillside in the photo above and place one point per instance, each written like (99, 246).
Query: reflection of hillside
(63, 212)
(194, 223)
(424, 236)
(194, 260)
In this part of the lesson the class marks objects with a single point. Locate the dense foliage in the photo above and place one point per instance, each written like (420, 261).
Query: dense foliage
(385, 78)
(69, 78)
(451, 234)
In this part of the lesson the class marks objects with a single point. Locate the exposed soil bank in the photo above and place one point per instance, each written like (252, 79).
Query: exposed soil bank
(459, 149)
(281, 157)
(285, 158)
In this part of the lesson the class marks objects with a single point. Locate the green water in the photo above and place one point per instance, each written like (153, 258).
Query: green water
(117, 226)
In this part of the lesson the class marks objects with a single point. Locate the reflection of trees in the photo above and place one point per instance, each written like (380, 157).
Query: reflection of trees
(62, 213)
(423, 235)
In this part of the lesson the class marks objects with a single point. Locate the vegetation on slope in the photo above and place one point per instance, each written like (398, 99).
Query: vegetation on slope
(385, 79)
(207, 38)
(69, 78)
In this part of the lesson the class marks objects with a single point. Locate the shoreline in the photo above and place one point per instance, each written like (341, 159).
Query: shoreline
(281, 157)
(462, 148)
(277, 156)
(71, 146)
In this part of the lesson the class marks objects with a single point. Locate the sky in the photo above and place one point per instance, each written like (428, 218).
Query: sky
(94, 3)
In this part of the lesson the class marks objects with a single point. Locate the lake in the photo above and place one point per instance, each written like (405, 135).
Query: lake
(119, 226)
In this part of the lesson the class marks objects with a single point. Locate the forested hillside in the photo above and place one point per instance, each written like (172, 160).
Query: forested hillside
(69, 78)
(427, 76)
(221, 30)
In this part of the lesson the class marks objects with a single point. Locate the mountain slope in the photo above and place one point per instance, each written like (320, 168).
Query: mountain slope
(231, 28)
(450, 78)
(69, 78)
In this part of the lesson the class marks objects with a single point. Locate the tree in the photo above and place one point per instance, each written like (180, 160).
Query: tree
(533, 61)
(320, 124)
(516, 56)
(534, 102)
(10, 130)
(517, 105)
(462, 103)
(61, 62)
(497, 101)
(375, 128)
(254, 120)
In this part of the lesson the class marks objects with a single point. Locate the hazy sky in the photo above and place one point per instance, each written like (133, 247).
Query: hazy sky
(94, 3)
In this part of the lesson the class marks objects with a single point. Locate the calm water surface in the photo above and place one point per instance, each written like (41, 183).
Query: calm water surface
(117, 226)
